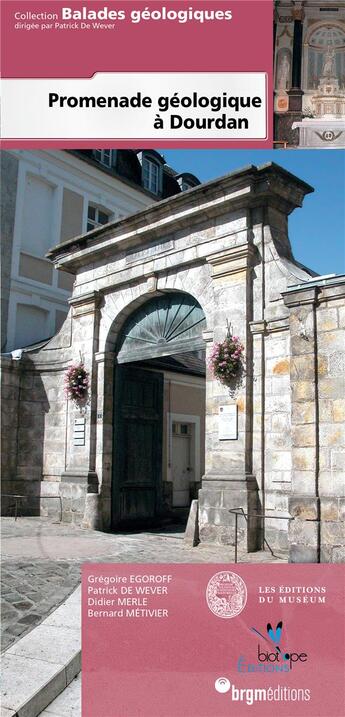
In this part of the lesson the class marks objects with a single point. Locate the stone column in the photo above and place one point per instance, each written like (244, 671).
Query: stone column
(80, 477)
(274, 33)
(228, 481)
(99, 510)
(285, 120)
(296, 93)
(304, 503)
(258, 330)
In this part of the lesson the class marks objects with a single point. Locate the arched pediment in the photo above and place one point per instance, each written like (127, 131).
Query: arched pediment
(165, 325)
(325, 35)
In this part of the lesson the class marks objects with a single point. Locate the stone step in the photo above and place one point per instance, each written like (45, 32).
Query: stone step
(68, 704)
(40, 666)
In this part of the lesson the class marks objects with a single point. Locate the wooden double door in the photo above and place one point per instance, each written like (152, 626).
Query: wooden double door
(137, 463)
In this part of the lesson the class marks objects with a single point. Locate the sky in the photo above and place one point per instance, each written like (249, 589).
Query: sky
(317, 230)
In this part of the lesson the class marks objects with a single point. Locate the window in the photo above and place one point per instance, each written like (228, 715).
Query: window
(96, 217)
(187, 181)
(152, 164)
(38, 216)
(151, 172)
(32, 325)
(104, 156)
(181, 429)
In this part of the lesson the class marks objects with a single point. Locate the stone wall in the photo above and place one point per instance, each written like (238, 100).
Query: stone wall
(317, 501)
(33, 434)
(37, 418)
(331, 395)
(10, 382)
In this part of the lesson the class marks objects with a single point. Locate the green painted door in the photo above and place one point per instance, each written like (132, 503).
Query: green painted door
(137, 477)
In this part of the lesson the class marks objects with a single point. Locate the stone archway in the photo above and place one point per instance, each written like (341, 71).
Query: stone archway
(167, 325)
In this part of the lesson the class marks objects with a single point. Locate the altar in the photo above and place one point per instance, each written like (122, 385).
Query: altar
(325, 133)
(325, 127)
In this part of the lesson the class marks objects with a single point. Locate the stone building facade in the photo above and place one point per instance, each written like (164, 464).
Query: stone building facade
(156, 286)
(50, 196)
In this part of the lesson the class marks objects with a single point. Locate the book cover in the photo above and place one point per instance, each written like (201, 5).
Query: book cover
(172, 366)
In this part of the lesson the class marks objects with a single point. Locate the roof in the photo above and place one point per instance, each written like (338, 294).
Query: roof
(126, 168)
(266, 176)
(327, 280)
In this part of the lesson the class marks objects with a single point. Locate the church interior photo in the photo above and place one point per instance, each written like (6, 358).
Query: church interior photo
(309, 78)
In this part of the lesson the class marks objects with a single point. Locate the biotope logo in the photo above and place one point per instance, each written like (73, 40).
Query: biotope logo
(261, 694)
(277, 659)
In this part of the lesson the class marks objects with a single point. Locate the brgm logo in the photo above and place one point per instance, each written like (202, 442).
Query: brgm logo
(222, 685)
(226, 594)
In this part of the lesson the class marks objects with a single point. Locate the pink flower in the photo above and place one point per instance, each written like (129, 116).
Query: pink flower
(76, 382)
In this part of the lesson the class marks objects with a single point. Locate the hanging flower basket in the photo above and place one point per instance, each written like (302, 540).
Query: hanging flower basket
(77, 384)
(226, 360)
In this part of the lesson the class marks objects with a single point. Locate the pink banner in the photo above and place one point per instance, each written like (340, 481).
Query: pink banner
(213, 640)
(42, 41)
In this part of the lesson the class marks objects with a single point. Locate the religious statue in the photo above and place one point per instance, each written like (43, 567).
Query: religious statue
(328, 69)
(283, 73)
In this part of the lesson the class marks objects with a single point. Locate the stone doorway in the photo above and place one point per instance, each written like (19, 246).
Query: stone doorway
(182, 463)
(136, 495)
(159, 413)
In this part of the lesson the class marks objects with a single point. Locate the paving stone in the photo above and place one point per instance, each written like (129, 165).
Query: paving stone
(23, 605)
(8, 611)
(29, 619)
(15, 630)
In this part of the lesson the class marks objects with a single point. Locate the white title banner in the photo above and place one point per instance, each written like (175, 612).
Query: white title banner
(150, 106)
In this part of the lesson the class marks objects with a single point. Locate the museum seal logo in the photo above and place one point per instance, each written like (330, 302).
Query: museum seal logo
(226, 594)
